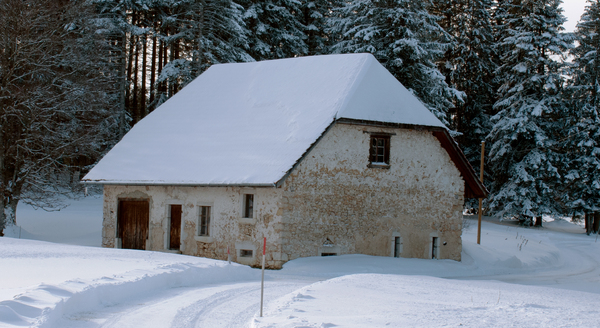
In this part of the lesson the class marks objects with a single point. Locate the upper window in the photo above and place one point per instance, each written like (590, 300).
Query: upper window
(204, 221)
(379, 153)
(248, 205)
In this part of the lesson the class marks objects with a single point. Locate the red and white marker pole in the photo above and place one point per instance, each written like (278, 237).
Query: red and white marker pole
(262, 280)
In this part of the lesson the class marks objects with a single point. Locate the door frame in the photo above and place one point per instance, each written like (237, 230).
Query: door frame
(166, 224)
(119, 241)
(168, 228)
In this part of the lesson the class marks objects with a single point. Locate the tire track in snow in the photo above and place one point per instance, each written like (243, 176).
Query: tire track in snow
(231, 305)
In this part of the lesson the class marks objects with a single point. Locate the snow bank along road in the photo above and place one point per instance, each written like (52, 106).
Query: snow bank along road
(517, 277)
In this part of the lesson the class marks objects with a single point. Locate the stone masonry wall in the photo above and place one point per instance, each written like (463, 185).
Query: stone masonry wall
(227, 227)
(332, 197)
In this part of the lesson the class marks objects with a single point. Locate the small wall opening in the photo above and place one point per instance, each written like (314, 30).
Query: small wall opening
(246, 253)
(329, 248)
(397, 246)
(435, 247)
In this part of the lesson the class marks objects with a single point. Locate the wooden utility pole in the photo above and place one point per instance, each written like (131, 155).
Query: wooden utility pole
(480, 199)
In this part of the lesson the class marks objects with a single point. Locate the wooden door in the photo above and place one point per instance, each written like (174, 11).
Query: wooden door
(134, 219)
(175, 236)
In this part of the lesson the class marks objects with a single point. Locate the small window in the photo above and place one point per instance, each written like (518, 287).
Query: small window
(248, 205)
(379, 153)
(204, 221)
(246, 253)
(397, 246)
(434, 247)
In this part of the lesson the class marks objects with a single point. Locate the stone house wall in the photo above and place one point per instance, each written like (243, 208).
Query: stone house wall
(334, 203)
(227, 227)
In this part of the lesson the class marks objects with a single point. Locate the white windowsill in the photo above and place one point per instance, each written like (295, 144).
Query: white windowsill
(379, 165)
(247, 220)
(204, 239)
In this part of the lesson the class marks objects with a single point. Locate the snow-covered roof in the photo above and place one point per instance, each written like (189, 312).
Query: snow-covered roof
(249, 123)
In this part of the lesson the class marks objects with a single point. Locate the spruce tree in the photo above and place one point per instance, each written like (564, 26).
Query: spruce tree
(469, 65)
(274, 29)
(164, 44)
(580, 191)
(406, 39)
(523, 156)
(315, 15)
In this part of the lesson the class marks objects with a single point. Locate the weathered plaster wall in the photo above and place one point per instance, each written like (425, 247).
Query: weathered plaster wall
(227, 227)
(333, 195)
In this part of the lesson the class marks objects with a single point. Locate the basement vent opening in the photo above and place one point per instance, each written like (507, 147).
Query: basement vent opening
(329, 248)
(246, 253)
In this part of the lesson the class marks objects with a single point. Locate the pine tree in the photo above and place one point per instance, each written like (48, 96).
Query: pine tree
(164, 44)
(274, 29)
(206, 33)
(315, 15)
(468, 65)
(581, 187)
(406, 39)
(523, 156)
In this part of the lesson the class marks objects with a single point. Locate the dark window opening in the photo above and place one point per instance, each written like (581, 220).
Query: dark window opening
(397, 246)
(248, 205)
(328, 254)
(379, 153)
(246, 253)
(204, 221)
(434, 248)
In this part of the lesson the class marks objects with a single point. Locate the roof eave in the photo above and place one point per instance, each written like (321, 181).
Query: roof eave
(178, 184)
(474, 188)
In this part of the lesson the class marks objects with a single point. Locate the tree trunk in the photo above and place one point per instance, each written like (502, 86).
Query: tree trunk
(135, 92)
(595, 222)
(153, 72)
(123, 85)
(8, 215)
(144, 63)
(588, 227)
(538, 221)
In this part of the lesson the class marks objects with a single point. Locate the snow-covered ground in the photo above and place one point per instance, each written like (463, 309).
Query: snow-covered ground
(521, 277)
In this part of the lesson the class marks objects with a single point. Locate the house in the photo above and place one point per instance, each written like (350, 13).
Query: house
(321, 155)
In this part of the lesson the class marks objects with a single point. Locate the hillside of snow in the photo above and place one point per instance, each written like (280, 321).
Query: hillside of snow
(547, 277)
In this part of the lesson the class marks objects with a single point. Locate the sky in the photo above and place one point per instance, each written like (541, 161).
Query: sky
(573, 9)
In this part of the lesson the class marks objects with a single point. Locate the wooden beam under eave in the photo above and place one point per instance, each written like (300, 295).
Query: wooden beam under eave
(473, 187)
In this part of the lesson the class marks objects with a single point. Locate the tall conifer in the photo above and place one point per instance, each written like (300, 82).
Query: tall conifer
(581, 189)
(469, 65)
(406, 39)
(523, 155)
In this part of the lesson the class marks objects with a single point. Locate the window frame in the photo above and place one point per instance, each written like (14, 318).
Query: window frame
(379, 155)
(248, 211)
(200, 224)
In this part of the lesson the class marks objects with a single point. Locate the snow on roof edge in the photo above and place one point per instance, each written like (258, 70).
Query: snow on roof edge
(364, 67)
(169, 183)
